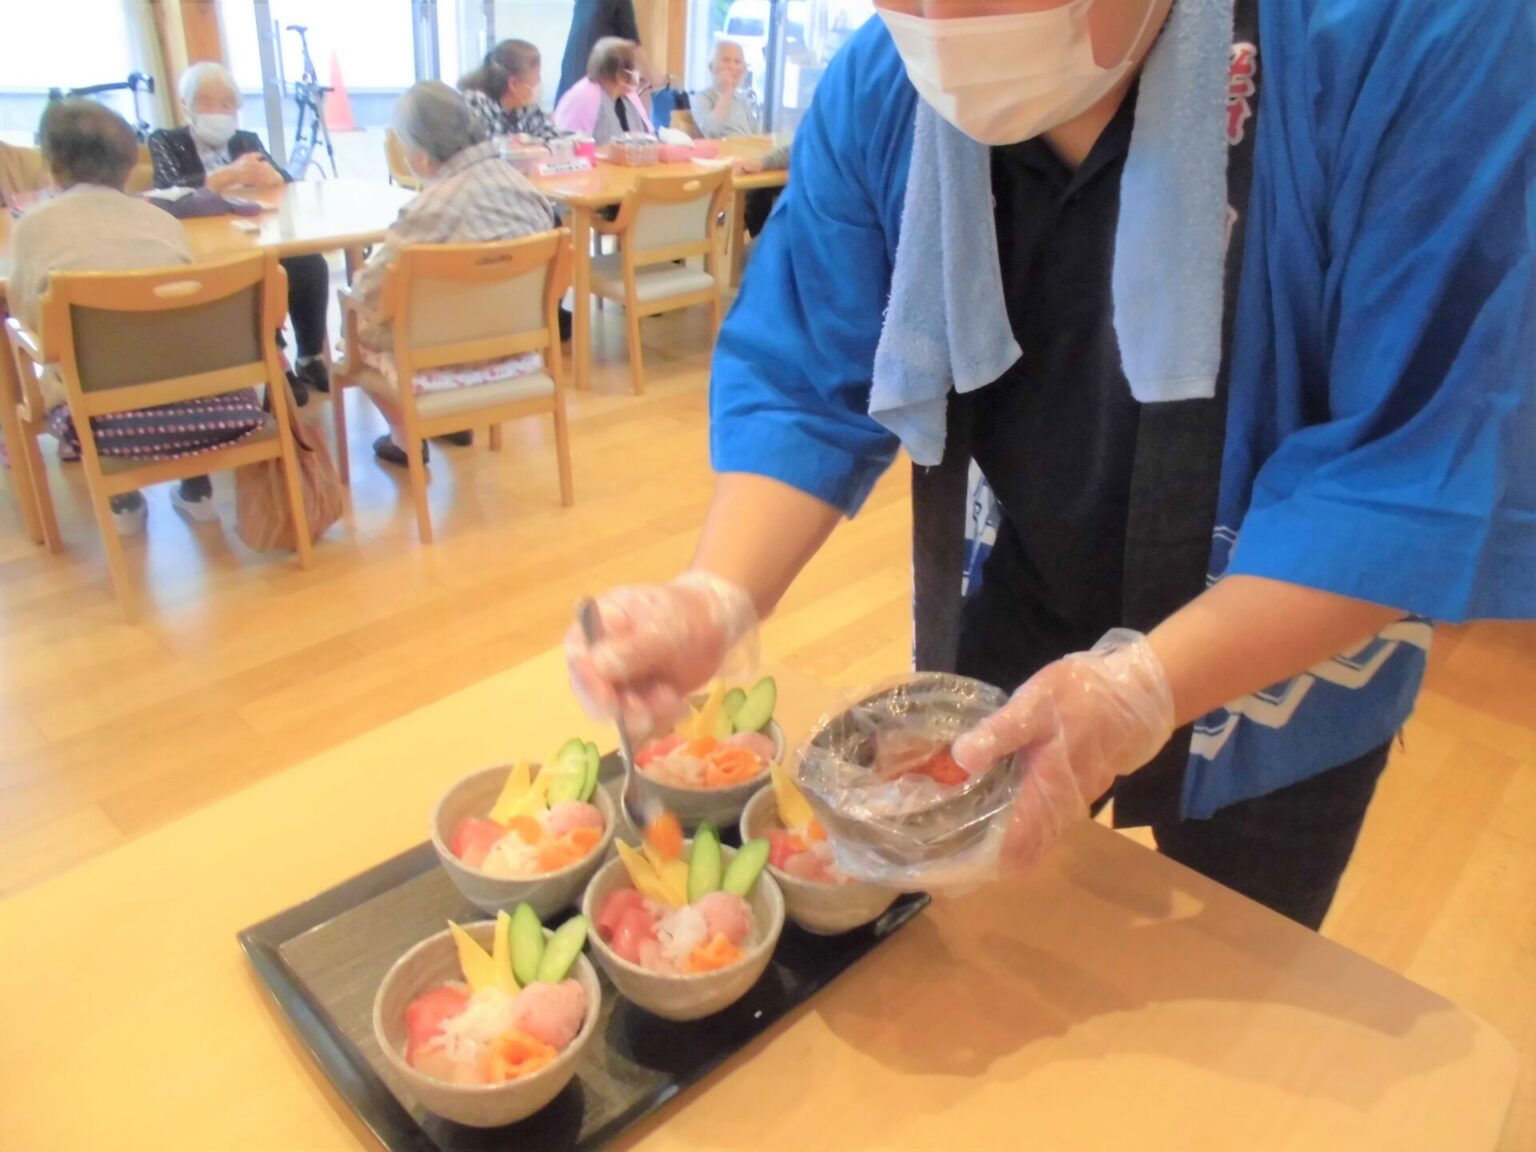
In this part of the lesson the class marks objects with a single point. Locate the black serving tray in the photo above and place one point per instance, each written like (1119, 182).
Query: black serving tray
(322, 962)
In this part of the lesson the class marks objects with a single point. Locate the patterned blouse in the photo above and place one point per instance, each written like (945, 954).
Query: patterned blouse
(529, 120)
(476, 196)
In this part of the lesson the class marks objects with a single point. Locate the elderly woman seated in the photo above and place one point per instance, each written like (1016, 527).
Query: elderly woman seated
(471, 194)
(93, 226)
(505, 92)
(213, 151)
(607, 103)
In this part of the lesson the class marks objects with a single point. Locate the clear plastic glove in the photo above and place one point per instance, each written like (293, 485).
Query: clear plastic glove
(1077, 724)
(659, 643)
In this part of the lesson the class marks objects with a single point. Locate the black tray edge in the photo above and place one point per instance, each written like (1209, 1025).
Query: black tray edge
(350, 1073)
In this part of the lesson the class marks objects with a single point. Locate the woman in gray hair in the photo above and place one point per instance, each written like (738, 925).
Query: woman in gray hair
(471, 194)
(607, 103)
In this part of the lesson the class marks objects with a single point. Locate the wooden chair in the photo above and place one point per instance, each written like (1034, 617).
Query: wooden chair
(399, 171)
(452, 305)
(142, 178)
(662, 221)
(123, 341)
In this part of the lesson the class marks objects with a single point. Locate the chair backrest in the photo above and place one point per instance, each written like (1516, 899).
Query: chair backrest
(394, 156)
(142, 178)
(21, 171)
(461, 303)
(673, 217)
(128, 340)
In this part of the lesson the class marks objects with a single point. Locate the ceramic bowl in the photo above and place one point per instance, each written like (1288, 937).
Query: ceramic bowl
(824, 909)
(435, 962)
(547, 894)
(721, 807)
(687, 996)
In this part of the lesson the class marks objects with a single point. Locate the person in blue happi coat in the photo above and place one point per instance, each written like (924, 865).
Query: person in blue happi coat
(1231, 305)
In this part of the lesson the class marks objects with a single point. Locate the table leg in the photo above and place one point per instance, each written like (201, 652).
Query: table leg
(10, 428)
(354, 259)
(738, 231)
(581, 310)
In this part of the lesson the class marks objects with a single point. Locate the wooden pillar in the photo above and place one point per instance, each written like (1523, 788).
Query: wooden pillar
(188, 31)
(664, 29)
(202, 31)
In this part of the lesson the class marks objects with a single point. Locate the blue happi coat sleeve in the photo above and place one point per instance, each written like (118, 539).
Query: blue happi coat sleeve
(789, 394)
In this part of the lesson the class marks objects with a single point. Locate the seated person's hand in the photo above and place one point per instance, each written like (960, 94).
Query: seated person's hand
(747, 167)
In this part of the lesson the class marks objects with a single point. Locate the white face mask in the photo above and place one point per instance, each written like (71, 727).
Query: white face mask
(213, 129)
(1002, 79)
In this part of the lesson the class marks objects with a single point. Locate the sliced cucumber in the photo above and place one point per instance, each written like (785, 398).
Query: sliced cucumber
(745, 867)
(570, 769)
(723, 729)
(561, 951)
(704, 866)
(594, 764)
(757, 709)
(527, 935)
(733, 701)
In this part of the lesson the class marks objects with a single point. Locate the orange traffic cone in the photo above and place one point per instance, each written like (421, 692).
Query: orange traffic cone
(338, 109)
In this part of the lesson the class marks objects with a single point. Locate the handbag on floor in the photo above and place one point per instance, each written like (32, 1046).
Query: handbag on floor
(262, 518)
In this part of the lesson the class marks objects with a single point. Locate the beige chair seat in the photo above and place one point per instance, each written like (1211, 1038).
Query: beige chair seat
(652, 283)
(459, 399)
(113, 465)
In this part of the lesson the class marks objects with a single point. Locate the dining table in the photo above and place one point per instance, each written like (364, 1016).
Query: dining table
(1109, 999)
(604, 185)
(298, 219)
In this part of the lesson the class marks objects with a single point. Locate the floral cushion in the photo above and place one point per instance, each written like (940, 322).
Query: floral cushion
(460, 376)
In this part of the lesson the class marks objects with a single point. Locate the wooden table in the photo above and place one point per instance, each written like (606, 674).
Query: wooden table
(1114, 1000)
(308, 217)
(585, 193)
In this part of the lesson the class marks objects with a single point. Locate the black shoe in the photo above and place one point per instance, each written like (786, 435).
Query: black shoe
(299, 388)
(391, 453)
(458, 439)
(315, 374)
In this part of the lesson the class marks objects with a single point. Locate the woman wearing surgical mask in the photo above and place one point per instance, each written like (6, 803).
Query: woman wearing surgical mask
(506, 92)
(1244, 354)
(212, 151)
(607, 103)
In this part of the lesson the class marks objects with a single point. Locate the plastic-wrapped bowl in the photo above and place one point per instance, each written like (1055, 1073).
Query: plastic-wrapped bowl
(548, 893)
(918, 822)
(434, 962)
(821, 909)
(687, 995)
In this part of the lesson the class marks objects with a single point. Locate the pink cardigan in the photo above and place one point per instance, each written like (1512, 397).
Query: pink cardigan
(582, 108)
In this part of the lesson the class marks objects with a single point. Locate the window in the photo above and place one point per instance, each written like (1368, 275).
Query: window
(813, 31)
(41, 48)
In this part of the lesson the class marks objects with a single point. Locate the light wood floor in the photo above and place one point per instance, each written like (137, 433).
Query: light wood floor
(246, 665)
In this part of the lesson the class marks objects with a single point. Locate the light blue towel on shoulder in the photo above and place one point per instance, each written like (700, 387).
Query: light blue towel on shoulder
(946, 325)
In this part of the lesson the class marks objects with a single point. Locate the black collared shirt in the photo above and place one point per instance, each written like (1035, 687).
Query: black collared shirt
(1056, 434)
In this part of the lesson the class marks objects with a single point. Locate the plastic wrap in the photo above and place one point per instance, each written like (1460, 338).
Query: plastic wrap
(897, 808)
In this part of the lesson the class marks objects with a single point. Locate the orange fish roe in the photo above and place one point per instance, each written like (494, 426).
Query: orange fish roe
(729, 765)
(665, 835)
(528, 830)
(584, 839)
(718, 953)
(513, 1055)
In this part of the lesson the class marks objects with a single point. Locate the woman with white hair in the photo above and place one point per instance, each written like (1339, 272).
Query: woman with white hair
(212, 150)
(471, 194)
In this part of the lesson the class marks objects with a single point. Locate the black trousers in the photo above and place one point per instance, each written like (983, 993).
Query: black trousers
(760, 202)
(309, 292)
(1286, 850)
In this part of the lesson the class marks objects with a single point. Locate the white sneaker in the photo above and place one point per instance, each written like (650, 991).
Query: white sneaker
(199, 511)
(130, 518)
